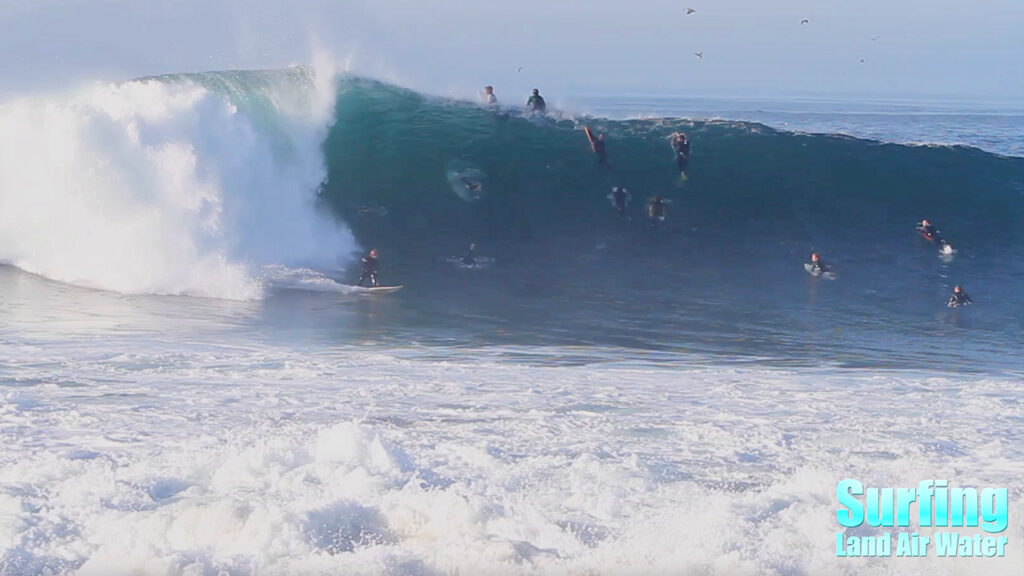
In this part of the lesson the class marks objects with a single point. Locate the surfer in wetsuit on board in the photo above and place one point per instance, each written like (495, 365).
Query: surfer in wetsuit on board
(817, 264)
(369, 269)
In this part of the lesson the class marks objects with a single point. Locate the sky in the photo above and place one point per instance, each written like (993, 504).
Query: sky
(968, 51)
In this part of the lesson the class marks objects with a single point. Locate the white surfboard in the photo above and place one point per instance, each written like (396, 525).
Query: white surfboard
(827, 274)
(383, 289)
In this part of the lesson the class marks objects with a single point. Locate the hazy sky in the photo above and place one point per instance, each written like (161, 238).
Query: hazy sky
(968, 49)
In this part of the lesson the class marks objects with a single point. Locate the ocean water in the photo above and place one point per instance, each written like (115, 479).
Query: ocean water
(189, 384)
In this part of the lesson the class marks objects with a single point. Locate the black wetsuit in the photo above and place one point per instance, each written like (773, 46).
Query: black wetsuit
(959, 299)
(536, 103)
(619, 197)
(470, 258)
(369, 271)
(682, 148)
(602, 153)
(818, 267)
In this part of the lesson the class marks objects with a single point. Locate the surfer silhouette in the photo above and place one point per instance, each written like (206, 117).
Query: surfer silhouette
(681, 145)
(619, 197)
(656, 209)
(369, 269)
(817, 264)
(488, 97)
(536, 102)
(958, 298)
(470, 258)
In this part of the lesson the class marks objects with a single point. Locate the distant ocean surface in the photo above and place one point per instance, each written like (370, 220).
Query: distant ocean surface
(190, 384)
(996, 126)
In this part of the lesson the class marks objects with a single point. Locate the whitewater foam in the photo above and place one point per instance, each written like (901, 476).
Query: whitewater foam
(255, 459)
(165, 186)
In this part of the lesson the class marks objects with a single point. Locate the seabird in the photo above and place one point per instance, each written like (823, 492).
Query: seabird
(804, 21)
(690, 11)
(699, 55)
(520, 69)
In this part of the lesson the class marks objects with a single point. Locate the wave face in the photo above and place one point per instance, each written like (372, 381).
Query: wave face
(723, 273)
(214, 184)
(183, 184)
(391, 147)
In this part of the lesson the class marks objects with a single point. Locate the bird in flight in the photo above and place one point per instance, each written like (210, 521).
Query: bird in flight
(804, 21)
(520, 69)
(690, 11)
(699, 55)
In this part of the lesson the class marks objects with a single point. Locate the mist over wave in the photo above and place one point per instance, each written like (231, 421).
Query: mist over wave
(174, 185)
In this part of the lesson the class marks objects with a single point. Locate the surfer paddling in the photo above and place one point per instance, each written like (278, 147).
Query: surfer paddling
(930, 232)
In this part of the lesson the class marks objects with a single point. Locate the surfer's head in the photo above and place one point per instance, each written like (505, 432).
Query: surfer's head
(373, 253)
(957, 289)
(815, 256)
(536, 92)
(488, 89)
(600, 136)
(925, 223)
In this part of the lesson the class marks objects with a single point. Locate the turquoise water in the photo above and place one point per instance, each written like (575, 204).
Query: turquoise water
(189, 384)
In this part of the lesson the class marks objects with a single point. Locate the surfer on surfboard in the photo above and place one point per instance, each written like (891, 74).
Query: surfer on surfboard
(817, 265)
(597, 144)
(369, 270)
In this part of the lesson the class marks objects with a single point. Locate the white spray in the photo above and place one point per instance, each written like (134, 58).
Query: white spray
(163, 186)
